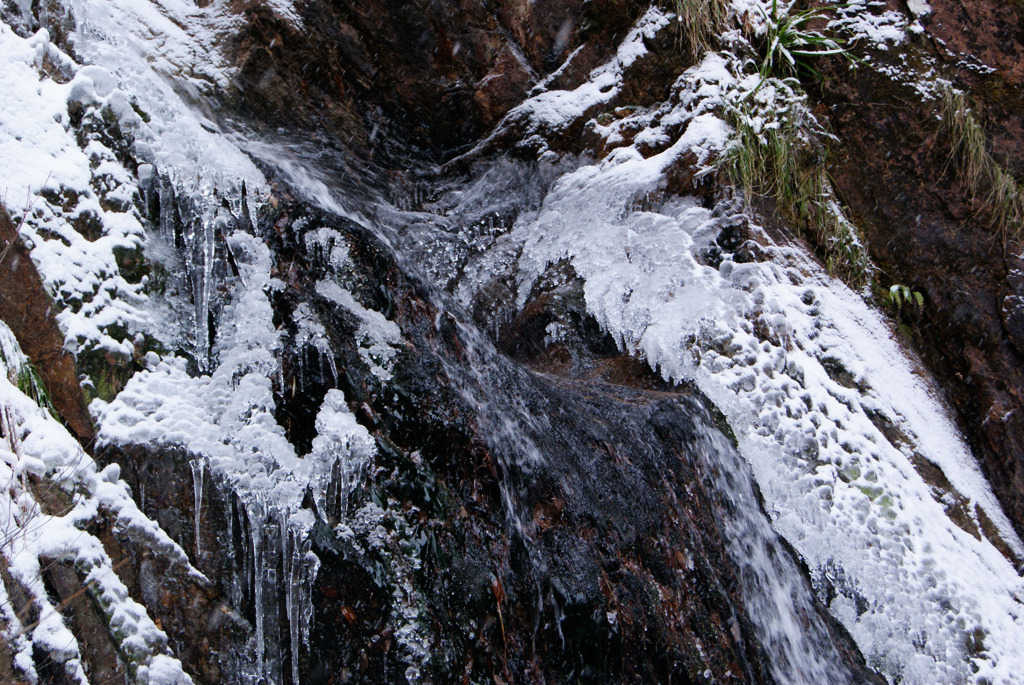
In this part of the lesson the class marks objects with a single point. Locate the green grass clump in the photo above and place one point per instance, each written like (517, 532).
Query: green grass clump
(23, 373)
(778, 153)
(984, 178)
(31, 384)
(779, 150)
(790, 42)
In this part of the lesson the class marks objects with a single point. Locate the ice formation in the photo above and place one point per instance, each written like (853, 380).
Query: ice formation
(826, 405)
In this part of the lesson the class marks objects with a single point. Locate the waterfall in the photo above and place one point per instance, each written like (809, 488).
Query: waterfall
(240, 346)
(778, 597)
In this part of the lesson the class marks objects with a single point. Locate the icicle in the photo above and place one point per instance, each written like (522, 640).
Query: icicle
(294, 597)
(207, 291)
(279, 370)
(333, 367)
(232, 563)
(204, 256)
(241, 588)
(311, 567)
(342, 487)
(333, 505)
(166, 220)
(270, 606)
(197, 488)
(199, 292)
(258, 552)
(231, 537)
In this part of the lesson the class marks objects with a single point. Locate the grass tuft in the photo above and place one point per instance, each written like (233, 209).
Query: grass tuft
(23, 373)
(790, 43)
(702, 23)
(984, 178)
(1006, 199)
(779, 153)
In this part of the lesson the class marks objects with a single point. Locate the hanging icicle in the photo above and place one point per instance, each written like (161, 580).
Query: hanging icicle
(198, 466)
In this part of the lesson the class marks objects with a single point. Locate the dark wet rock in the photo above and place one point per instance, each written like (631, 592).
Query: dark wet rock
(645, 82)
(100, 656)
(580, 546)
(550, 515)
(381, 76)
(504, 86)
(206, 632)
(1013, 306)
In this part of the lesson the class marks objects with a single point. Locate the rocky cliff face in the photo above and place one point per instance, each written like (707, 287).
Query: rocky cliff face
(439, 342)
(937, 234)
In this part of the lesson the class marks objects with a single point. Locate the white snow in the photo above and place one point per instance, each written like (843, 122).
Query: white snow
(919, 8)
(552, 110)
(379, 339)
(167, 54)
(152, 64)
(858, 24)
(34, 442)
(39, 151)
(226, 416)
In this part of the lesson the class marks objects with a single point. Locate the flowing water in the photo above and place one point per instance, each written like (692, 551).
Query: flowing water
(243, 300)
(538, 428)
(527, 430)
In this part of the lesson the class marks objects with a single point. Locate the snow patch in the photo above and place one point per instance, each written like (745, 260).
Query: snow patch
(36, 443)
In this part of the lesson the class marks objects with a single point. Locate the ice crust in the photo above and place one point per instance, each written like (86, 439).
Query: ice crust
(167, 54)
(811, 379)
(227, 416)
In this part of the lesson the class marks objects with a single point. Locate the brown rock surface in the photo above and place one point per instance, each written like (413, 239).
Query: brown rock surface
(379, 78)
(896, 172)
(26, 308)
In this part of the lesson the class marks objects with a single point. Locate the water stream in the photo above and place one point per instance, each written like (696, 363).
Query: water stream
(537, 428)
(778, 596)
(761, 336)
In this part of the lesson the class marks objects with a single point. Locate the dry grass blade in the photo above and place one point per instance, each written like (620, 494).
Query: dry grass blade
(702, 22)
(785, 163)
(983, 177)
